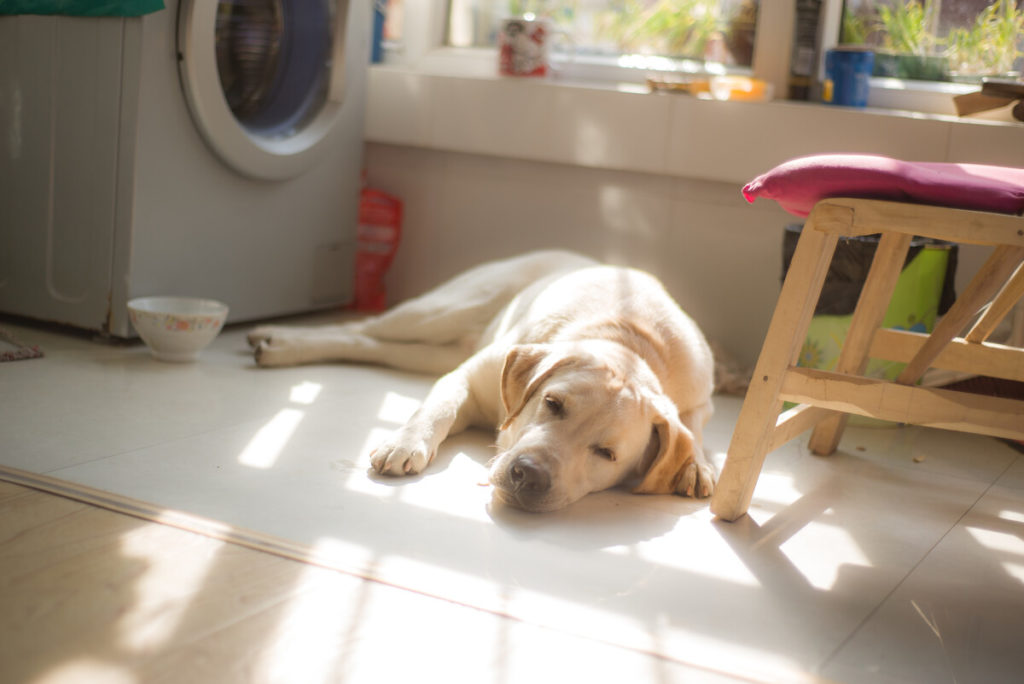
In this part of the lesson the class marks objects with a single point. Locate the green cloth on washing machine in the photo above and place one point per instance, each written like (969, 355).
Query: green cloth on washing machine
(82, 8)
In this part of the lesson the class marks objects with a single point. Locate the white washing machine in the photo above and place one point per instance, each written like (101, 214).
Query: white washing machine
(210, 149)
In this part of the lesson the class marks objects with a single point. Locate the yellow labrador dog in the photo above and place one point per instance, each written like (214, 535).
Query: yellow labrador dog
(593, 375)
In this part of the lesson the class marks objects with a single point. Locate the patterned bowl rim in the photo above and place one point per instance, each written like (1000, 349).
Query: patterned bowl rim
(180, 307)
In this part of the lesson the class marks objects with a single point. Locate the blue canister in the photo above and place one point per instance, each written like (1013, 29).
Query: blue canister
(380, 15)
(847, 76)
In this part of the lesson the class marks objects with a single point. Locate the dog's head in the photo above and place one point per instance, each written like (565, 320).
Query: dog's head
(584, 417)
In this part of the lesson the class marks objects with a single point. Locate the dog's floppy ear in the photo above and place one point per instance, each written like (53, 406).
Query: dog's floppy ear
(527, 366)
(674, 449)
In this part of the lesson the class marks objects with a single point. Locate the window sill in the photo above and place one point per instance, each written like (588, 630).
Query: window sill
(449, 103)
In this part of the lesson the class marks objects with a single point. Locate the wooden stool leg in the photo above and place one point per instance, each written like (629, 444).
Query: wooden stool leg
(989, 279)
(785, 337)
(999, 308)
(867, 318)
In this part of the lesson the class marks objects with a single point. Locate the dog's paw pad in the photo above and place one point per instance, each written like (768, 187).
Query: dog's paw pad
(688, 483)
(705, 481)
(401, 459)
(698, 481)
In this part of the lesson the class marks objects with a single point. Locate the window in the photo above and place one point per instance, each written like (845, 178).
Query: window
(716, 31)
(938, 40)
(968, 39)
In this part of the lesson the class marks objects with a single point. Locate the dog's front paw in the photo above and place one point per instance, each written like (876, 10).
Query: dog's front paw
(400, 456)
(698, 480)
(274, 346)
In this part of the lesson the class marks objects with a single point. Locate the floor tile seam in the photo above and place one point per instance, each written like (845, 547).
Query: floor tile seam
(56, 472)
(913, 467)
(299, 552)
(867, 618)
(1018, 459)
(226, 427)
(240, 614)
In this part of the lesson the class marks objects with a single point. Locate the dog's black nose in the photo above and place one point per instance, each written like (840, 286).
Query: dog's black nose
(526, 474)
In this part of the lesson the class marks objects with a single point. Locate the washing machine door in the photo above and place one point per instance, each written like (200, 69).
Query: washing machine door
(264, 79)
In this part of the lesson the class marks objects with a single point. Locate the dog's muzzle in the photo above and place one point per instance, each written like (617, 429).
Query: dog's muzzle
(525, 474)
(524, 481)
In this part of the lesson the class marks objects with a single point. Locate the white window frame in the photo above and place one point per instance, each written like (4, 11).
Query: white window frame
(423, 49)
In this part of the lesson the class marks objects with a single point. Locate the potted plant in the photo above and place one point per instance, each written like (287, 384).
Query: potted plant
(909, 47)
(667, 27)
(991, 46)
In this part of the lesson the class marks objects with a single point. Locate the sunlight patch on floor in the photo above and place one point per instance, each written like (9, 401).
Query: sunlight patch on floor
(821, 570)
(464, 478)
(317, 620)
(1015, 570)
(157, 612)
(776, 488)
(330, 551)
(998, 541)
(711, 558)
(1012, 516)
(731, 658)
(211, 528)
(453, 585)
(397, 408)
(266, 445)
(305, 392)
(87, 670)
(589, 620)
(358, 479)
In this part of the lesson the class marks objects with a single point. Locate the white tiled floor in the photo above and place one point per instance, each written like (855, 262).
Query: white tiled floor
(899, 559)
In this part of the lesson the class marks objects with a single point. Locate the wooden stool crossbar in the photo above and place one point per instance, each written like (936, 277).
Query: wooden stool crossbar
(825, 399)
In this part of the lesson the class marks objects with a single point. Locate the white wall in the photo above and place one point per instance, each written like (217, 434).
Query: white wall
(489, 167)
(718, 256)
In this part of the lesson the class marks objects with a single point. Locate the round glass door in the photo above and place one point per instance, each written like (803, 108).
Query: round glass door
(264, 78)
(273, 58)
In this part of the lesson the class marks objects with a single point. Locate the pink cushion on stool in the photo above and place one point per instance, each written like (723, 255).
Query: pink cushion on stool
(797, 185)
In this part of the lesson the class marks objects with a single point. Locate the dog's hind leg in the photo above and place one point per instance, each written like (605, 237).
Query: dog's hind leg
(431, 333)
(289, 347)
(460, 309)
(266, 333)
(454, 314)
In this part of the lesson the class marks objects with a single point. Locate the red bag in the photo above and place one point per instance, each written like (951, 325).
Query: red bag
(380, 227)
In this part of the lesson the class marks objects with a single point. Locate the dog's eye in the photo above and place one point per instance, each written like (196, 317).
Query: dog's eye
(554, 405)
(604, 453)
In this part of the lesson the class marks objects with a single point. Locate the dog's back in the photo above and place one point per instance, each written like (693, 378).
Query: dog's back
(621, 305)
(467, 305)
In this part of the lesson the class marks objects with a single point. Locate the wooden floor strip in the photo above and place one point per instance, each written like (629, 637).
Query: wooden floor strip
(228, 656)
(179, 519)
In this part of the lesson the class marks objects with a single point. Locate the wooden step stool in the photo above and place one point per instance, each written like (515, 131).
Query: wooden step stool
(985, 210)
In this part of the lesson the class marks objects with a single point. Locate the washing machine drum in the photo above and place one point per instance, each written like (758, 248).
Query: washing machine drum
(264, 79)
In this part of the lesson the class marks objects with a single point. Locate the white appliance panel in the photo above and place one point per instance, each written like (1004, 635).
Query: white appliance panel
(111, 191)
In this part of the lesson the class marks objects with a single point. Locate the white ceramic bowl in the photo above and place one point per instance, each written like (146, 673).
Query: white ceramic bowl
(177, 328)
